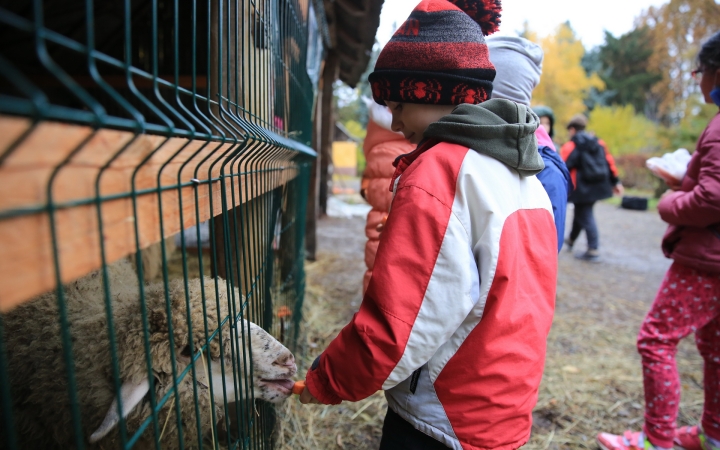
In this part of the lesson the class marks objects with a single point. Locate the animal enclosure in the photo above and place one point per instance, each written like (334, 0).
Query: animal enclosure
(154, 176)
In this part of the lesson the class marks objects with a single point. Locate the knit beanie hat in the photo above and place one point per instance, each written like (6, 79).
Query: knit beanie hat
(518, 63)
(578, 121)
(438, 55)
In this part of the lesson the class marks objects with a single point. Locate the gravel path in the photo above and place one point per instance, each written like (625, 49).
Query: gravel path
(592, 380)
(630, 269)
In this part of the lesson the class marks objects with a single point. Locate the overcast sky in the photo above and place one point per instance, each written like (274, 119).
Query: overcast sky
(588, 18)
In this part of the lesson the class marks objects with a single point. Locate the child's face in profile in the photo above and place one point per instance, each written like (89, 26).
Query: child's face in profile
(411, 119)
(545, 122)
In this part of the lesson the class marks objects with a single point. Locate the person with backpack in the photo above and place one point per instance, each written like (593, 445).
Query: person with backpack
(593, 172)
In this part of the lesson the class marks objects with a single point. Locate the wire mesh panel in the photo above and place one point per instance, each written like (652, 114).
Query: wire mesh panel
(154, 172)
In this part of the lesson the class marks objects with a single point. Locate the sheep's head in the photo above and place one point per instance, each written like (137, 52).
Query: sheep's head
(237, 359)
(273, 366)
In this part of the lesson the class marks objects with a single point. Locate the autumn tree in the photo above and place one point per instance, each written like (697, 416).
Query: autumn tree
(687, 131)
(624, 131)
(564, 83)
(624, 68)
(592, 64)
(677, 29)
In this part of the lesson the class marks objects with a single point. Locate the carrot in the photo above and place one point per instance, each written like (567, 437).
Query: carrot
(299, 387)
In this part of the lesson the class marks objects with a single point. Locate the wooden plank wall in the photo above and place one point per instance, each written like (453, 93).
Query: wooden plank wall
(27, 264)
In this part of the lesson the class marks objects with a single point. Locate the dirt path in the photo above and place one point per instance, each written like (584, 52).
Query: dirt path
(592, 380)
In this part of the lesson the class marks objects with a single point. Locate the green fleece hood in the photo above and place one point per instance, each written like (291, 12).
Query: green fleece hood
(498, 128)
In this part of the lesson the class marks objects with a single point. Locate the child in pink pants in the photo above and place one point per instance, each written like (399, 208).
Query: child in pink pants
(689, 298)
(688, 302)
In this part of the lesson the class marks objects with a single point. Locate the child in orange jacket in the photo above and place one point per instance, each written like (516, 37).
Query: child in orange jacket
(381, 147)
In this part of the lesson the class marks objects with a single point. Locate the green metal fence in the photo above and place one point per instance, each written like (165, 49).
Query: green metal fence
(123, 123)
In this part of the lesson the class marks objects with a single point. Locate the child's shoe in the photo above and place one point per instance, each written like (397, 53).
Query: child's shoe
(569, 243)
(590, 255)
(630, 440)
(692, 438)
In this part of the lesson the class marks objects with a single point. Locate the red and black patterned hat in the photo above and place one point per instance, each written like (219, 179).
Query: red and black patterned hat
(439, 56)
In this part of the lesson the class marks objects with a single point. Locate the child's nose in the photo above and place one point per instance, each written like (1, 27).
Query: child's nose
(396, 125)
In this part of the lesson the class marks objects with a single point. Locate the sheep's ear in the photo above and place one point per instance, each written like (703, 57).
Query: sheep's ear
(131, 394)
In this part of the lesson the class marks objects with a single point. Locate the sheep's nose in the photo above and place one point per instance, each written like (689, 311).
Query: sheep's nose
(285, 361)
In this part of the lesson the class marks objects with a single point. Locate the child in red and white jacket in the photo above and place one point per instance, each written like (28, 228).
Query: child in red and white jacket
(454, 323)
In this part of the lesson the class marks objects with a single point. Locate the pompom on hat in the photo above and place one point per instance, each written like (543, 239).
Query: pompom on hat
(439, 55)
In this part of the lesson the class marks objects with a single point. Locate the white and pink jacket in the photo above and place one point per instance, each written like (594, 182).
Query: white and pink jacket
(456, 316)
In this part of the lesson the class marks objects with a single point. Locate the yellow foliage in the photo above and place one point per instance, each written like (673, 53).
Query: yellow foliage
(624, 131)
(678, 28)
(686, 132)
(356, 129)
(564, 83)
(528, 33)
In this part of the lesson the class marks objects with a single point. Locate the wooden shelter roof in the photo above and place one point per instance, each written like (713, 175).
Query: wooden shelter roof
(352, 25)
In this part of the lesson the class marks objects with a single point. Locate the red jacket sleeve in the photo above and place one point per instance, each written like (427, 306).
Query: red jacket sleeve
(614, 174)
(565, 151)
(360, 359)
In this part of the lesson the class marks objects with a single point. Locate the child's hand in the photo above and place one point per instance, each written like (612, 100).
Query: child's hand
(666, 193)
(306, 397)
(674, 184)
(670, 180)
(381, 225)
(618, 189)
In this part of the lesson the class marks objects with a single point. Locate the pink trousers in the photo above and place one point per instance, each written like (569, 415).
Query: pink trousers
(688, 302)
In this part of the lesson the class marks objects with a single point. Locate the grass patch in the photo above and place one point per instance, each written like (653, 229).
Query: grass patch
(652, 201)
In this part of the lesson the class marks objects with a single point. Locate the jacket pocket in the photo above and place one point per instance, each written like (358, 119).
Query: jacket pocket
(414, 380)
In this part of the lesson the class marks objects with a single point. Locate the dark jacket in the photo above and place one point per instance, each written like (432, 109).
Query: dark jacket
(588, 191)
(693, 212)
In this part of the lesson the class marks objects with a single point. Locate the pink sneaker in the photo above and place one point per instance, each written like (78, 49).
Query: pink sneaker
(692, 438)
(630, 440)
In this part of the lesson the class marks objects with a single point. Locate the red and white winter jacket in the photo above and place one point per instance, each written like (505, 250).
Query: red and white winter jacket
(455, 320)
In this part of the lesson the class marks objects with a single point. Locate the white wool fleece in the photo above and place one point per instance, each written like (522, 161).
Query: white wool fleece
(518, 64)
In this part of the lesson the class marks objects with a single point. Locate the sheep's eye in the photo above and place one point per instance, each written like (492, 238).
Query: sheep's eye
(186, 352)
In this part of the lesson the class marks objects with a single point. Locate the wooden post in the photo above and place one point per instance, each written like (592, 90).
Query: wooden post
(224, 250)
(330, 74)
(313, 197)
(217, 264)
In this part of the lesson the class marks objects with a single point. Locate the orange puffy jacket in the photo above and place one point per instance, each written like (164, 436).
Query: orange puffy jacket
(381, 147)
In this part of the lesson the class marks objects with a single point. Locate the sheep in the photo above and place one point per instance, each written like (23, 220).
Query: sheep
(38, 378)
